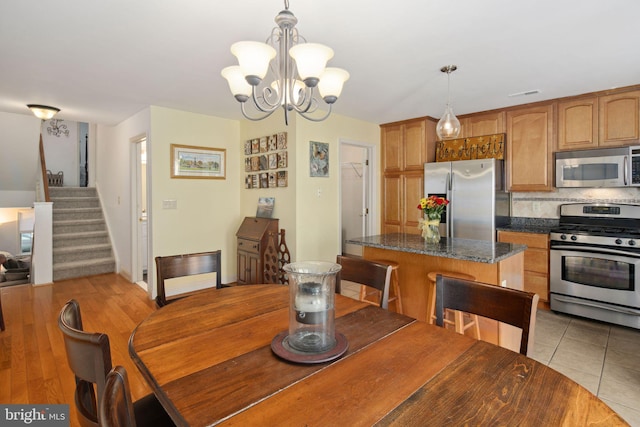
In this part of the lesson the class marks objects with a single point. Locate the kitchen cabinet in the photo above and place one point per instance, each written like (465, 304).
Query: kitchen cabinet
(482, 124)
(404, 145)
(578, 124)
(530, 144)
(536, 260)
(619, 118)
(405, 149)
(401, 194)
(252, 239)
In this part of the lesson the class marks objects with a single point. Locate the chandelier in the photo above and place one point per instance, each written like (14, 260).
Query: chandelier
(293, 81)
(449, 126)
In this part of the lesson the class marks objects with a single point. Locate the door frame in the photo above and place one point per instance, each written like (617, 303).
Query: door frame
(371, 186)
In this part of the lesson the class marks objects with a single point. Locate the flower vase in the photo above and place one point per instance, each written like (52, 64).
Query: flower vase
(431, 228)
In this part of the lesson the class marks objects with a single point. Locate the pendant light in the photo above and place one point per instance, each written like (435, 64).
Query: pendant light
(449, 126)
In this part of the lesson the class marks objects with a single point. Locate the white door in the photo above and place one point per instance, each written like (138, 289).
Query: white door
(139, 213)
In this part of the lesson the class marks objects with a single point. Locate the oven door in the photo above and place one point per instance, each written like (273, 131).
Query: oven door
(606, 171)
(599, 274)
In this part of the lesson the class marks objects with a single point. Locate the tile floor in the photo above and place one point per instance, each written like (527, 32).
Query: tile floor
(603, 358)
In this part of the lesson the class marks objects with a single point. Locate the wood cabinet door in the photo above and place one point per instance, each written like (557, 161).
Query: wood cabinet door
(391, 137)
(530, 145)
(619, 117)
(391, 204)
(483, 124)
(578, 124)
(413, 189)
(415, 145)
(243, 268)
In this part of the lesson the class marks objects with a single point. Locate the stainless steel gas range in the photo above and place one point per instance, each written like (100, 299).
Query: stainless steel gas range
(595, 262)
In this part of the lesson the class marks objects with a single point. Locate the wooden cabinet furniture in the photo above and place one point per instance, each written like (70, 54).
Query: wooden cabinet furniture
(578, 124)
(619, 118)
(530, 143)
(536, 260)
(482, 124)
(253, 238)
(404, 151)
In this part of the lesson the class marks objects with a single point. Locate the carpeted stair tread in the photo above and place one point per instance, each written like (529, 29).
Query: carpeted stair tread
(81, 248)
(81, 234)
(84, 263)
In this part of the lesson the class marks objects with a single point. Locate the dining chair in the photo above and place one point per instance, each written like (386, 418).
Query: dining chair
(185, 265)
(364, 272)
(516, 308)
(117, 408)
(89, 357)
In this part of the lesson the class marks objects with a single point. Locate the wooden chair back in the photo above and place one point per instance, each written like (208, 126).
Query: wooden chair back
(173, 266)
(116, 406)
(516, 308)
(89, 357)
(369, 273)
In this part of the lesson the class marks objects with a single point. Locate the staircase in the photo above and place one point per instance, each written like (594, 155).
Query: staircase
(81, 245)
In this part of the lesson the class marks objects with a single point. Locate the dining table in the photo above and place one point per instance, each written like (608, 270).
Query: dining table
(209, 360)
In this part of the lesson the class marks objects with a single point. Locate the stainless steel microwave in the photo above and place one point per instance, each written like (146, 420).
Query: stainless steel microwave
(602, 167)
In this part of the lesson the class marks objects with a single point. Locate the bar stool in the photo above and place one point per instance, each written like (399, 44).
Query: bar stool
(458, 318)
(366, 293)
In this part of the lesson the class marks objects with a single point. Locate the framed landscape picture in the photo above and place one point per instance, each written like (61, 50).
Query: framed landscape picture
(188, 161)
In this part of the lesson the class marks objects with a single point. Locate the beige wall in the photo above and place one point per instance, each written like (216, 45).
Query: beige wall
(312, 223)
(208, 210)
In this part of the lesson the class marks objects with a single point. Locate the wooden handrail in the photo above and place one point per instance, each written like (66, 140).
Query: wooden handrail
(43, 169)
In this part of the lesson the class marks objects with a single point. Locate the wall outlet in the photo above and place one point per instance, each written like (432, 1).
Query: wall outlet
(169, 204)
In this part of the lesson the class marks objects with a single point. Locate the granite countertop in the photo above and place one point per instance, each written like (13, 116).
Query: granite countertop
(530, 225)
(464, 249)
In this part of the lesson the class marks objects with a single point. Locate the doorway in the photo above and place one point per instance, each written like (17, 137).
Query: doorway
(357, 193)
(139, 213)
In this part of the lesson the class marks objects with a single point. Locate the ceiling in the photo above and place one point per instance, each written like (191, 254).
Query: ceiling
(103, 61)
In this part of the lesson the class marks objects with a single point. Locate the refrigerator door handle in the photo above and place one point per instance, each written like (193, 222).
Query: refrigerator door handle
(449, 216)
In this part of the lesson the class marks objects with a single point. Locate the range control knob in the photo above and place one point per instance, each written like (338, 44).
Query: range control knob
(618, 241)
(632, 242)
(574, 238)
(563, 237)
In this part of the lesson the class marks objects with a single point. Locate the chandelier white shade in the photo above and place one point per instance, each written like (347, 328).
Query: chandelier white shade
(449, 126)
(286, 72)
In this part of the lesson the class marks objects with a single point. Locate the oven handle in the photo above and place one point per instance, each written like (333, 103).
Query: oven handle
(596, 305)
(594, 251)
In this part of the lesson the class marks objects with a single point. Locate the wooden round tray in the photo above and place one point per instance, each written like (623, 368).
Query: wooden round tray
(280, 346)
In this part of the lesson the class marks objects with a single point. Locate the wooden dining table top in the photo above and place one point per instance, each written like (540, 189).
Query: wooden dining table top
(209, 361)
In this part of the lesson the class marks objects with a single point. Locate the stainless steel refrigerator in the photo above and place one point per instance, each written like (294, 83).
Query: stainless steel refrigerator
(477, 200)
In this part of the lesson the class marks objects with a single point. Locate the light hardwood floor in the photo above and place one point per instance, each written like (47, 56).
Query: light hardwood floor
(33, 365)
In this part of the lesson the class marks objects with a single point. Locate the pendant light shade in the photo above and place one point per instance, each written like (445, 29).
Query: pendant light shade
(43, 112)
(449, 126)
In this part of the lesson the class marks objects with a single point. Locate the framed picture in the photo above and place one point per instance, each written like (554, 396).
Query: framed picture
(265, 207)
(188, 161)
(318, 159)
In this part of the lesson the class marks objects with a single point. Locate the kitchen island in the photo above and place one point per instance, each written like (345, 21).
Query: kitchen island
(496, 263)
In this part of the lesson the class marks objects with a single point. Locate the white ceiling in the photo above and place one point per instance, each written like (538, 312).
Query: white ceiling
(103, 61)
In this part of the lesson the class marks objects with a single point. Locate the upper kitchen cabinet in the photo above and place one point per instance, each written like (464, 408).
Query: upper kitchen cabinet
(578, 124)
(482, 124)
(619, 118)
(404, 145)
(530, 143)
